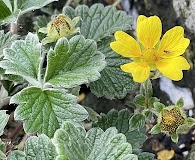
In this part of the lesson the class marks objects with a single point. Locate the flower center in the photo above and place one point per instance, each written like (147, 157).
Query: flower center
(171, 120)
(168, 119)
(149, 56)
(59, 22)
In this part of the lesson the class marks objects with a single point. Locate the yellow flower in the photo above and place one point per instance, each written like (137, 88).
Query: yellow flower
(150, 53)
(61, 26)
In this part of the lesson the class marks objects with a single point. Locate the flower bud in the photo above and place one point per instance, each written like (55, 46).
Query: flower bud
(61, 26)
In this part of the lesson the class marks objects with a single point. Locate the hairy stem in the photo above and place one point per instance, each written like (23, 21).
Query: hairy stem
(41, 67)
(116, 2)
(13, 27)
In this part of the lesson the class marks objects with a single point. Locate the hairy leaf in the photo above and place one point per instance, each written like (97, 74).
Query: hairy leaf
(99, 21)
(114, 83)
(74, 143)
(7, 15)
(73, 62)
(12, 18)
(44, 110)
(6, 39)
(3, 120)
(12, 9)
(36, 148)
(120, 120)
(5, 9)
(23, 58)
(29, 5)
(137, 121)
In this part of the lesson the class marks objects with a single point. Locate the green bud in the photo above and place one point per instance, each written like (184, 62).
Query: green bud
(61, 26)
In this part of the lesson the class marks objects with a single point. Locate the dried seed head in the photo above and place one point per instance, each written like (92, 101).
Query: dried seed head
(171, 120)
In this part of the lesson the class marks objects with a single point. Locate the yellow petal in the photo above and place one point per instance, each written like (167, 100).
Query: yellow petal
(173, 43)
(172, 68)
(149, 30)
(141, 18)
(125, 45)
(140, 71)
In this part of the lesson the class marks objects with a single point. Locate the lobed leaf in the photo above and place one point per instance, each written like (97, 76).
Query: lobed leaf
(36, 148)
(3, 121)
(73, 62)
(43, 110)
(23, 58)
(29, 5)
(5, 9)
(12, 18)
(120, 120)
(74, 143)
(6, 14)
(6, 39)
(114, 83)
(12, 9)
(99, 21)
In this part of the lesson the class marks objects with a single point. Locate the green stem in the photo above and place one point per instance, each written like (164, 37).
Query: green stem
(13, 27)
(145, 87)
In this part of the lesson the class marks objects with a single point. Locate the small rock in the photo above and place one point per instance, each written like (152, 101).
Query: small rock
(175, 92)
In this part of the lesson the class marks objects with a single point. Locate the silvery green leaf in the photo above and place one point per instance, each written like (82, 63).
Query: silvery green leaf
(23, 58)
(75, 143)
(36, 148)
(7, 15)
(43, 110)
(29, 5)
(3, 120)
(12, 18)
(73, 62)
(6, 39)
(99, 21)
(137, 121)
(114, 83)
(12, 9)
